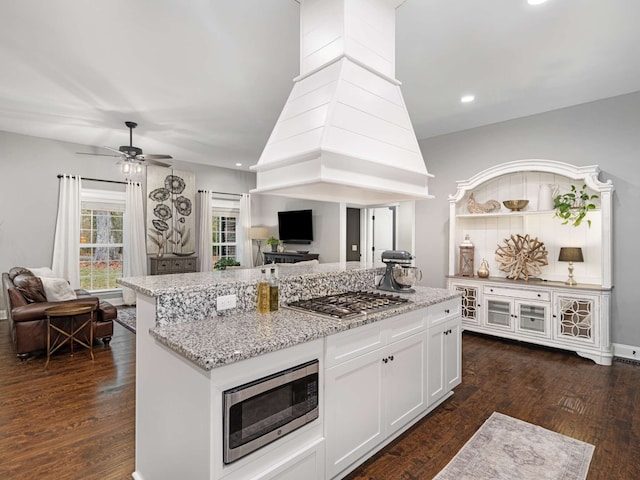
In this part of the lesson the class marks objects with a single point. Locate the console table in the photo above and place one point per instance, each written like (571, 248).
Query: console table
(172, 264)
(288, 257)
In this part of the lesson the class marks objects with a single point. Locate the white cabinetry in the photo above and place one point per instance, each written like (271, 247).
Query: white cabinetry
(375, 384)
(541, 310)
(444, 347)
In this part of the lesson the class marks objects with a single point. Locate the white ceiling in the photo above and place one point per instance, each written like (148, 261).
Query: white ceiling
(206, 79)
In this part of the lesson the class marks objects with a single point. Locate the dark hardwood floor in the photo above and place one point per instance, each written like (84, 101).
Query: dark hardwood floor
(76, 420)
(559, 391)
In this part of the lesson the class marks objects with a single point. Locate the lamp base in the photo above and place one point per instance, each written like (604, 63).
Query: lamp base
(570, 280)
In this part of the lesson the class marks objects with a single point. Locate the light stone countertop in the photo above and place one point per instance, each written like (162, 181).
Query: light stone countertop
(157, 285)
(221, 340)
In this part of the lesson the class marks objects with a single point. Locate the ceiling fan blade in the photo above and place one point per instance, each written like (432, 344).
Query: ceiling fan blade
(151, 156)
(122, 154)
(154, 162)
(98, 154)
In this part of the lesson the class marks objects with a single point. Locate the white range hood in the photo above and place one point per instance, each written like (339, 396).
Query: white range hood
(344, 134)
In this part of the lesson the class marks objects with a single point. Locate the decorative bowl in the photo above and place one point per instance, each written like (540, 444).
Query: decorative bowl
(406, 276)
(515, 205)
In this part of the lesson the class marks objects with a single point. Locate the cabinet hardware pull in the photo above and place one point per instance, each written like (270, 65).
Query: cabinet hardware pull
(446, 311)
(391, 357)
(539, 295)
(385, 360)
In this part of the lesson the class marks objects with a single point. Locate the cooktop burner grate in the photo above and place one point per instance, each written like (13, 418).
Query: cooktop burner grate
(349, 304)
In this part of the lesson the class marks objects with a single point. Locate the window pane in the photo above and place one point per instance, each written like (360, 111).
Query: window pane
(101, 249)
(223, 236)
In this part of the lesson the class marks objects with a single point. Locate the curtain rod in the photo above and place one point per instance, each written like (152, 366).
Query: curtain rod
(223, 193)
(99, 180)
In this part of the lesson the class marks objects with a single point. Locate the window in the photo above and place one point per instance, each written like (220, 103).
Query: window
(224, 223)
(101, 239)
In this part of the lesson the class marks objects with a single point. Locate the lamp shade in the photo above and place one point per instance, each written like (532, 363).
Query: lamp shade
(259, 233)
(570, 254)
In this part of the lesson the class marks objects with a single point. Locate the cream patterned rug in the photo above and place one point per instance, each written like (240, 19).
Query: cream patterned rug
(506, 448)
(127, 317)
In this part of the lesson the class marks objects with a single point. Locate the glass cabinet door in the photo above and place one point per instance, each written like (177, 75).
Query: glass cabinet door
(532, 318)
(498, 312)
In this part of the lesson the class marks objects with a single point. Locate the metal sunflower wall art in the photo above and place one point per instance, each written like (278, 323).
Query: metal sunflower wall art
(521, 256)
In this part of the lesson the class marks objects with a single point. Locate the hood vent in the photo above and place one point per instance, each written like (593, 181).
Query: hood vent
(344, 134)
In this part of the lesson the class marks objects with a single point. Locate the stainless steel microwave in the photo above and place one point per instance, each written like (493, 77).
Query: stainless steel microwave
(262, 411)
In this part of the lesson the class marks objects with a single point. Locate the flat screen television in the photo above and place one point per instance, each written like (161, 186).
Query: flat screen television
(295, 226)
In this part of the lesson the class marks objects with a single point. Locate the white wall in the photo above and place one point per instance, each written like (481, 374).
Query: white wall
(326, 223)
(603, 133)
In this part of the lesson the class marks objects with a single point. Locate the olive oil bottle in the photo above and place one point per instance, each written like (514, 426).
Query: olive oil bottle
(273, 291)
(263, 292)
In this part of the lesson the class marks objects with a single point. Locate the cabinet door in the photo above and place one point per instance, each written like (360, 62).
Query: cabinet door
(353, 409)
(405, 380)
(435, 363)
(470, 303)
(452, 354)
(575, 318)
(532, 318)
(498, 312)
(445, 359)
(307, 464)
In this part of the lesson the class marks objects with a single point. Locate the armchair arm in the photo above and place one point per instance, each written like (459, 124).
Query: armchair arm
(35, 311)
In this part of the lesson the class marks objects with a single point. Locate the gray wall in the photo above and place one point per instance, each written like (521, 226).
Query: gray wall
(604, 133)
(29, 191)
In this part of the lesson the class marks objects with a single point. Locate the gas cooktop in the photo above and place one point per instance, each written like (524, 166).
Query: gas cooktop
(348, 305)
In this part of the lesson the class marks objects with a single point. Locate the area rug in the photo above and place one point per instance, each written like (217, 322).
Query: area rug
(127, 317)
(506, 448)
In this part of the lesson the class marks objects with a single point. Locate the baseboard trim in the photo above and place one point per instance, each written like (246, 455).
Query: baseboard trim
(630, 352)
(136, 476)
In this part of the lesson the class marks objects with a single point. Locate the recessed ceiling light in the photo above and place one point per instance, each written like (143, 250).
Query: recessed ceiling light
(467, 98)
(238, 164)
(536, 2)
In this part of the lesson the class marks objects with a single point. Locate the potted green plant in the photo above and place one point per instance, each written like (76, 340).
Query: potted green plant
(223, 263)
(574, 205)
(274, 242)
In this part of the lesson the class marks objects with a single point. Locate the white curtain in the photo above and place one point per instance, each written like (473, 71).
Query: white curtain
(244, 239)
(134, 255)
(66, 245)
(204, 239)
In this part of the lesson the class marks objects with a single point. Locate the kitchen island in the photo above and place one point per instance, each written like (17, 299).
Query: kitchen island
(188, 355)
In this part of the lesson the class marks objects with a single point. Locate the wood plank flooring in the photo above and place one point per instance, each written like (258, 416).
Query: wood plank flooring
(557, 390)
(76, 420)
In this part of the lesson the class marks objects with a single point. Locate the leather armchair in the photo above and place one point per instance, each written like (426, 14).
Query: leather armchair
(28, 322)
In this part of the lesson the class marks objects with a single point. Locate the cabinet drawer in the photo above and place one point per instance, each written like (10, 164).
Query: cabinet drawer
(515, 293)
(353, 343)
(442, 312)
(163, 266)
(177, 264)
(406, 324)
(190, 265)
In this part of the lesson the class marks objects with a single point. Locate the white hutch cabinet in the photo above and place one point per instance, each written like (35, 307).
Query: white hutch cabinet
(542, 310)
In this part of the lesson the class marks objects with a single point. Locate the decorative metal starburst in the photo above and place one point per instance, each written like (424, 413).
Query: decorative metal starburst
(521, 256)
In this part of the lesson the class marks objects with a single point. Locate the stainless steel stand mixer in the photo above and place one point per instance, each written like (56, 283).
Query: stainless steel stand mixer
(399, 276)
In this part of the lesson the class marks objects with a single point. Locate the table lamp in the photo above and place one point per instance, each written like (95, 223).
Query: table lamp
(259, 234)
(570, 254)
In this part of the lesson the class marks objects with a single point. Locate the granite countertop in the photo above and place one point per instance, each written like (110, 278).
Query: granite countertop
(157, 285)
(221, 340)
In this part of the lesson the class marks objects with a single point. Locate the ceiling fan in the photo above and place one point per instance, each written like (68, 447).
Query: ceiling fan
(132, 157)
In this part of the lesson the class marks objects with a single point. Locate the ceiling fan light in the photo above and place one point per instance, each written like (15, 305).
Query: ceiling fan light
(126, 167)
(138, 168)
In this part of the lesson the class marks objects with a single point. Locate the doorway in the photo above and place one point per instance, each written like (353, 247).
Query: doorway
(383, 230)
(353, 235)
